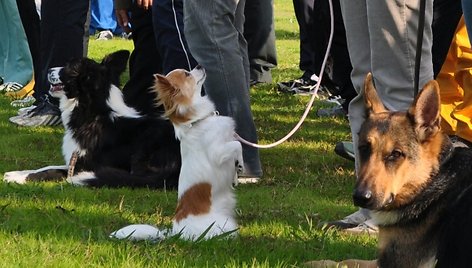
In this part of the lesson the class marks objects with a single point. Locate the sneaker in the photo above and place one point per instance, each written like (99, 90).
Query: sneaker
(45, 114)
(336, 99)
(367, 227)
(10, 87)
(297, 84)
(459, 142)
(351, 221)
(126, 36)
(105, 35)
(248, 180)
(23, 111)
(336, 111)
(25, 102)
(345, 149)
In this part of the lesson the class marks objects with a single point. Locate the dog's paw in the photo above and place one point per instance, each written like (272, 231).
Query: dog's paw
(81, 178)
(138, 232)
(239, 167)
(17, 176)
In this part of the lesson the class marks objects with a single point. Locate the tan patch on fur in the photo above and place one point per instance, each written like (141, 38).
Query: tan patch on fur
(175, 92)
(195, 201)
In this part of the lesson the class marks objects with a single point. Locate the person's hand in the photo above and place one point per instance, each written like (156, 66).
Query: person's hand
(146, 4)
(123, 19)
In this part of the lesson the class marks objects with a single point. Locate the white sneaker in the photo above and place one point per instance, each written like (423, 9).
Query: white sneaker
(105, 35)
(25, 110)
(248, 180)
(367, 227)
(350, 221)
(24, 102)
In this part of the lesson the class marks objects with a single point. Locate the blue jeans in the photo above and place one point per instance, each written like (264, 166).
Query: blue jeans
(213, 29)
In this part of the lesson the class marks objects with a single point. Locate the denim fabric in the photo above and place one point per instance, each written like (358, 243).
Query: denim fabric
(213, 29)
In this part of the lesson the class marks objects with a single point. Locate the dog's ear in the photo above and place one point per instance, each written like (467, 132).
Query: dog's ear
(116, 64)
(162, 89)
(161, 82)
(373, 103)
(426, 111)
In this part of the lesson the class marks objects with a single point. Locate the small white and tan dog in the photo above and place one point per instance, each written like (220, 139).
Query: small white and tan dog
(211, 157)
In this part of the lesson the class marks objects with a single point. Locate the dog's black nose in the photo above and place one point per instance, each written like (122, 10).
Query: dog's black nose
(198, 67)
(362, 198)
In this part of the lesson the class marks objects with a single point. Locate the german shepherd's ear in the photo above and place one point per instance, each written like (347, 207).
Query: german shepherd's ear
(373, 103)
(426, 111)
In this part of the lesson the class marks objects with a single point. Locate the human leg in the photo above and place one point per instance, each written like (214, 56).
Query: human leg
(259, 32)
(214, 34)
(16, 65)
(62, 34)
(144, 61)
(467, 11)
(169, 33)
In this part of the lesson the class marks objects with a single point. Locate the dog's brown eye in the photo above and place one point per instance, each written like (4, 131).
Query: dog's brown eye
(394, 155)
(364, 151)
(187, 74)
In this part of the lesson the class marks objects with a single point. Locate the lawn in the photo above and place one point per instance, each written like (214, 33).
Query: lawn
(304, 185)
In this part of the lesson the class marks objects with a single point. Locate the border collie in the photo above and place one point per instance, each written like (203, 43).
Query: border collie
(106, 142)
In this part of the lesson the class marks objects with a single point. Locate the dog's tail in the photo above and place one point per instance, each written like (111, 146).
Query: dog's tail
(116, 178)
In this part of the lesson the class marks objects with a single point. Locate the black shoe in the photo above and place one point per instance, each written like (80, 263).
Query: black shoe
(345, 149)
(298, 84)
(459, 142)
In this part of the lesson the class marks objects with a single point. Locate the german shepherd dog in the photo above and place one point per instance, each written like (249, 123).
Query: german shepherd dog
(417, 186)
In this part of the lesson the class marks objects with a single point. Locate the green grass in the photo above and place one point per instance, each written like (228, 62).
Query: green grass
(304, 184)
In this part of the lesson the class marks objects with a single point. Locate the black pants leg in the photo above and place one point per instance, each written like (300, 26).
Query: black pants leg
(169, 32)
(30, 21)
(446, 16)
(260, 36)
(62, 36)
(144, 62)
(303, 12)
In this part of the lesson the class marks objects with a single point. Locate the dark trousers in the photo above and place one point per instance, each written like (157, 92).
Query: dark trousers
(304, 14)
(30, 21)
(169, 33)
(314, 21)
(144, 62)
(259, 33)
(446, 16)
(62, 32)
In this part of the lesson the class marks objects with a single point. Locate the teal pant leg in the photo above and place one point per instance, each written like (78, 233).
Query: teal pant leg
(16, 63)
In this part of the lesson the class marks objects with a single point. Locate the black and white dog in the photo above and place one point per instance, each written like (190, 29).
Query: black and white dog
(106, 142)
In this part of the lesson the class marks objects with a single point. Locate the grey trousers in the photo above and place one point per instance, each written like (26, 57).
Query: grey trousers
(381, 37)
(213, 29)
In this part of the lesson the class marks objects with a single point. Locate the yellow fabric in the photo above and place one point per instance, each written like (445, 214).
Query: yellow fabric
(455, 82)
(25, 91)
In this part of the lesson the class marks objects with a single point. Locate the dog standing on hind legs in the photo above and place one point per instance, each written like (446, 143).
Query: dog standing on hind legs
(417, 186)
(211, 157)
